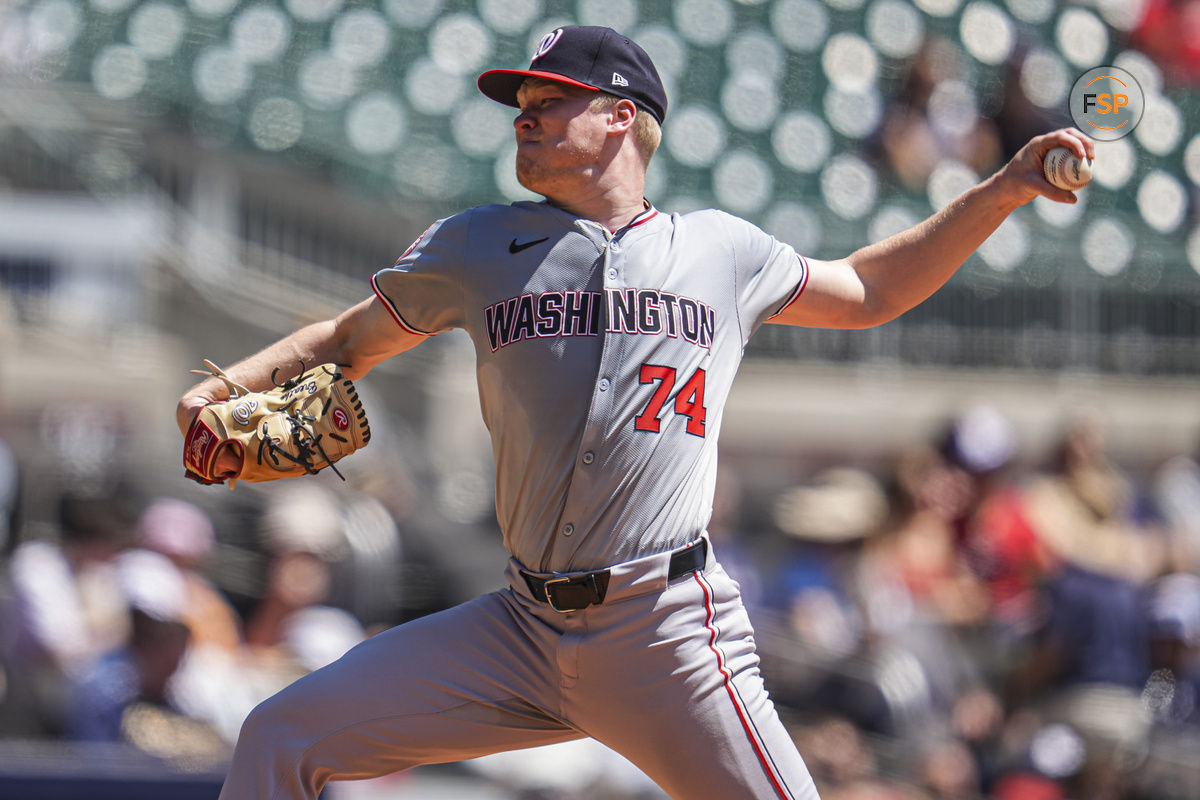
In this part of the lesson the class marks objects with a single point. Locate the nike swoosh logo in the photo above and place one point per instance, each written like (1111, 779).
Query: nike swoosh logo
(515, 248)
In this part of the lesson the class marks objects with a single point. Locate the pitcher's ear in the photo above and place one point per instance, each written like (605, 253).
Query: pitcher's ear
(622, 114)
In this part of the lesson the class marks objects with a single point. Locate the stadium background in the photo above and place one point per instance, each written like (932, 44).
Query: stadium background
(182, 180)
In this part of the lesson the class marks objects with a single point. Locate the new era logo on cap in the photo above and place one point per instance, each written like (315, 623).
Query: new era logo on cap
(589, 56)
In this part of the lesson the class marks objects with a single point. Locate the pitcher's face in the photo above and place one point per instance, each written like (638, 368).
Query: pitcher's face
(560, 136)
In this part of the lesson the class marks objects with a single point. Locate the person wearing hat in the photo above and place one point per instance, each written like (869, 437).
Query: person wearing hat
(607, 335)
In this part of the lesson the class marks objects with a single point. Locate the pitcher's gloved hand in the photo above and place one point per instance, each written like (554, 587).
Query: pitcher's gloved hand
(297, 428)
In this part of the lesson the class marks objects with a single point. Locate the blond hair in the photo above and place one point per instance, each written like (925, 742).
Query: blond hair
(647, 133)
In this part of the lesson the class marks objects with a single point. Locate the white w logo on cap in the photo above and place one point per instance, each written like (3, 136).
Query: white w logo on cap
(547, 43)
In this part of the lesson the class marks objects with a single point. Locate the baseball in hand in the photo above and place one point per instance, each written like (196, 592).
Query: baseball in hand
(1066, 170)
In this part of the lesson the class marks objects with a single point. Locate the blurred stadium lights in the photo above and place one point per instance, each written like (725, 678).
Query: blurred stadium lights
(778, 109)
(1044, 78)
(1082, 37)
(987, 33)
(895, 28)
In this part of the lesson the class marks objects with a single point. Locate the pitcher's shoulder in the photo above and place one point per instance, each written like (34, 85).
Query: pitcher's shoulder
(712, 224)
(707, 217)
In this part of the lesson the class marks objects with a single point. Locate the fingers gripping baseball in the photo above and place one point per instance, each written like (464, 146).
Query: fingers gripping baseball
(1026, 171)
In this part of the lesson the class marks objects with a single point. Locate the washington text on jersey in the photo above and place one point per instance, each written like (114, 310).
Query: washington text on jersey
(576, 313)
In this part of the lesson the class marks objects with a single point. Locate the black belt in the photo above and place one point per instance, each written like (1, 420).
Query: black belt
(580, 591)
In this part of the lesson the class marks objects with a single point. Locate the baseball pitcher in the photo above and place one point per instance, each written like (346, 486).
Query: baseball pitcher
(607, 334)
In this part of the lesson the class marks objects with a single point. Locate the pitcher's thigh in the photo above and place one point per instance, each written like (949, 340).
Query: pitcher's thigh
(690, 708)
(453, 685)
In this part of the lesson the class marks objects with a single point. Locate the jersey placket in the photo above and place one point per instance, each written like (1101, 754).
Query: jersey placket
(588, 457)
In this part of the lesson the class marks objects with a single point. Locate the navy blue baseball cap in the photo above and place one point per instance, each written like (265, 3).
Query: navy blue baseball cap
(589, 56)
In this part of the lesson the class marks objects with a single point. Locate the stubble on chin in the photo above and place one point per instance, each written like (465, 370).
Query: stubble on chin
(530, 172)
(570, 163)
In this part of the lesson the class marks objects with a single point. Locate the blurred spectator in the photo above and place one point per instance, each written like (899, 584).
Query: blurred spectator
(1095, 633)
(948, 771)
(140, 668)
(65, 608)
(214, 661)
(1044, 760)
(1169, 32)
(935, 117)
(1086, 666)
(1004, 550)
(1027, 786)
(924, 605)
(290, 632)
(828, 520)
(1173, 690)
(997, 540)
(1083, 508)
(1176, 489)
(123, 696)
(184, 534)
(838, 756)
(858, 588)
(372, 580)
(919, 551)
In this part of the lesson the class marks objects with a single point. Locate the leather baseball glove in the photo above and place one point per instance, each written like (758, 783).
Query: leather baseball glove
(297, 428)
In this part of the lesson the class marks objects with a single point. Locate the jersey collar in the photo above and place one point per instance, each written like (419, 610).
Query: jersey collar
(649, 212)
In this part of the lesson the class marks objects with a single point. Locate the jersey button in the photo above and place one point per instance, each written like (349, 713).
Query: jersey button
(604, 384)
(615, 247)
(568, 529)
(612, 274)
(589, 457)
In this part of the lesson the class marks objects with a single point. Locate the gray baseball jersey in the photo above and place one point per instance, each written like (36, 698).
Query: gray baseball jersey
(604, 361)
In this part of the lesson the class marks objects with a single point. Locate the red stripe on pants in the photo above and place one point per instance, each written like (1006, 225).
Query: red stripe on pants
(728, 677)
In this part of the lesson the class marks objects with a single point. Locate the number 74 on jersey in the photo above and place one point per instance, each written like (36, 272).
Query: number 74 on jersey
(689, 400)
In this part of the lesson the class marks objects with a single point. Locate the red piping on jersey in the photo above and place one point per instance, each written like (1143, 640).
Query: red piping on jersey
(392, 310)
(653, 213)
(799, 289)
(636, 222)
(710, 610)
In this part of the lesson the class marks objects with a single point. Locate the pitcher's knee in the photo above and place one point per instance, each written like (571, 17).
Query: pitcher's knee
(274, 725)
(272, 757)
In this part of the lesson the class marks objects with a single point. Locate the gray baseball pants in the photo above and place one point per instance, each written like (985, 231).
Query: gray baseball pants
(666, 675)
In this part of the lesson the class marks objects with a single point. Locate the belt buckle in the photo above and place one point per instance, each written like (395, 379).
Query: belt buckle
(578, 581)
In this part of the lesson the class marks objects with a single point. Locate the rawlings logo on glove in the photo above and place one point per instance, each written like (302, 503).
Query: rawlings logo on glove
(298, 428)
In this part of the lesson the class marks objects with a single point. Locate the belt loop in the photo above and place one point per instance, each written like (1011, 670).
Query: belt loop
(687, 560)
(537, 588)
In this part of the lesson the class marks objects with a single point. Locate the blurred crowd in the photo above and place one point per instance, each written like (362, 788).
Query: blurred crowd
(116, 627)
(960, 624)
(953, 623)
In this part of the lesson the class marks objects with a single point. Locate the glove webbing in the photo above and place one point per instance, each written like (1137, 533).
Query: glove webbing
(304, 445)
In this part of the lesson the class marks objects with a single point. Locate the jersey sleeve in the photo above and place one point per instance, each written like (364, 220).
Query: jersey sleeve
(769, 273)
(423, 289)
